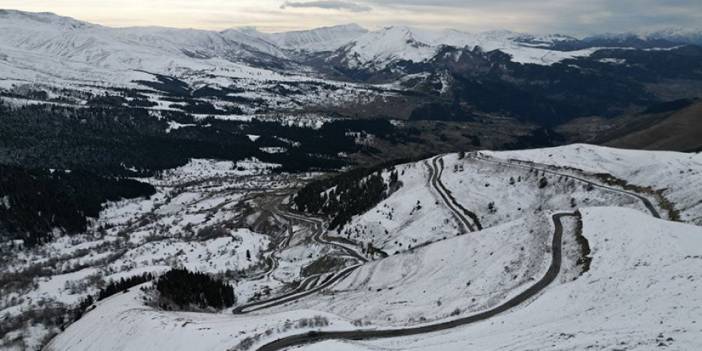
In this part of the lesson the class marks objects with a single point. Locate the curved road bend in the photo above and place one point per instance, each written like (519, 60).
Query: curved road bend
(298, 293)
(436, 170)
(470, 214)
(321, 237)
(547, 279)
(272, 259)
(302, 289)
(645, 201)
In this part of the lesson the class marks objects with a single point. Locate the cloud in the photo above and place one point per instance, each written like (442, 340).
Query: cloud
(327, 5)
(575, 17)
(546, 16)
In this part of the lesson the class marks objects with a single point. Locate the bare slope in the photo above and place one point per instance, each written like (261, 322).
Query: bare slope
(680, 130)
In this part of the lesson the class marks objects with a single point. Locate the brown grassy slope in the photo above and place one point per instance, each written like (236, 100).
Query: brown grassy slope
(679, 131)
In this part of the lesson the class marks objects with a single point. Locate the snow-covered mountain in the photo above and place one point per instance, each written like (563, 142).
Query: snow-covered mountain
(125, 48)
(319, 39)
(264, 71)
(677, 35)
(154, 48)
(669, 37)
(164, 50)
(376, 50)
(29, 38)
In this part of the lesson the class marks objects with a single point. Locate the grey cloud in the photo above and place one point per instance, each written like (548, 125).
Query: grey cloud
(328, 5)
(570, 16)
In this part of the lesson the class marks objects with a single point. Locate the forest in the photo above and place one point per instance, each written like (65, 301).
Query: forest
(58, 165)
(184, 290)
(34, 203)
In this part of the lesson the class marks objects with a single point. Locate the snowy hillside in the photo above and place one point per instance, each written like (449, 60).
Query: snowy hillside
(474, 271)
(81, 45)
(124, 323)
(676, 35)
(643, 292)
(496, 193)
(678, 176)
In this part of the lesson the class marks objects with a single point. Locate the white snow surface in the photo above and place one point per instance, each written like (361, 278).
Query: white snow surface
(122, 322)
(475, 271)
(643, 291)
(678, 175)
(406, 219)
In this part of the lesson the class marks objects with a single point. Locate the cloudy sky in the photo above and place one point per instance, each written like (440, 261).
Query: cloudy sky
(545, 16)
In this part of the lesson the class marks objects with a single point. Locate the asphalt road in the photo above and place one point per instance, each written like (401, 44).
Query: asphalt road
(320, 235)
(437, 169)
(313, 283)
(304, 288)
(302, 291)
(547, 279)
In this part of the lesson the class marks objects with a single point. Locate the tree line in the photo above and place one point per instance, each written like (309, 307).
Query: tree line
(349, 193)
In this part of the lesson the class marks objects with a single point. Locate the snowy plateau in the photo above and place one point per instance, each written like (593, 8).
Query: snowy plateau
(299, 172)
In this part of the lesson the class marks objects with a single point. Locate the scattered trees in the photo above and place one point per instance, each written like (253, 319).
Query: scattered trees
(491, 208)
(543, 182)
(347, 194)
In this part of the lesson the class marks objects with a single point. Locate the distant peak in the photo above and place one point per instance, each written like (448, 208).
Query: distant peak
(43, 17)
(248, 29)
(350, 27)
(398, 28)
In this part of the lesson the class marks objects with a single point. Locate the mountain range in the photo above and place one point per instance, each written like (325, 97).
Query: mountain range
(395, 72)
(64, 37)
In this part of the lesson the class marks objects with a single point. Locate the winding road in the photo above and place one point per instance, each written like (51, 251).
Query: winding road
(316, 283)
(646, 202)
(548, 278)
(436, 169)
(313, 283)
